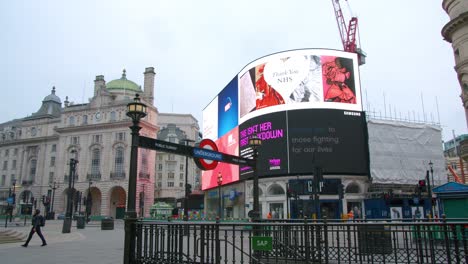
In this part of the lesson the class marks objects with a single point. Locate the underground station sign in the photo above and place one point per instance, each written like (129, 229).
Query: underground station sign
(205, 155)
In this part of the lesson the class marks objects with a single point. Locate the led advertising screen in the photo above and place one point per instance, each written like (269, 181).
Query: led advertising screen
(295, 141)
(299, 79)
(272, 97)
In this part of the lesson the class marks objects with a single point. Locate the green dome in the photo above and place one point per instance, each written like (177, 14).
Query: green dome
(123, 84)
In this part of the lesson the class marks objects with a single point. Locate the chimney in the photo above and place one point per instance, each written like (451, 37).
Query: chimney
(99, 83)
(149, 84)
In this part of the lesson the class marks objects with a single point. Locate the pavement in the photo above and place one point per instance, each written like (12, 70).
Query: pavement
(88, 245)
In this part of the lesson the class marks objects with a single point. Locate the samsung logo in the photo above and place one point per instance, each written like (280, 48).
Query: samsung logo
(352, 113)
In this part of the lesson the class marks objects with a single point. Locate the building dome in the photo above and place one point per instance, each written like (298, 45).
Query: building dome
(52, 97)
(123, 84)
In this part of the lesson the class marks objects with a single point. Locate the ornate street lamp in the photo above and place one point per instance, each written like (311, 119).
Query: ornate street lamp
(51, 212)
(68, 216)
(136, 111)
(254, 143)
(220, 182)
(89, 200)
(432, 172)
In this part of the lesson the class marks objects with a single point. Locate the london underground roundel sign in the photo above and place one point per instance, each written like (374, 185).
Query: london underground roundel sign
(206, 156)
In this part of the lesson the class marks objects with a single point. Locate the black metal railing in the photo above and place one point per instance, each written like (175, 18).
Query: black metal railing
(143, 175)
(301, 242)
(66, 177)
(93, 176)
(117, 175)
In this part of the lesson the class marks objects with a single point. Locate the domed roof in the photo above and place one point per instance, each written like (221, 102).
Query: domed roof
(123, 84)
(52, 97)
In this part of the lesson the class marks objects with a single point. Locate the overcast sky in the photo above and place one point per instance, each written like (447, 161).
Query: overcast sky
(197, 47)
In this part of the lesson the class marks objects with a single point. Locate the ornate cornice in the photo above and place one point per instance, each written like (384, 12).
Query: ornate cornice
(453, 25)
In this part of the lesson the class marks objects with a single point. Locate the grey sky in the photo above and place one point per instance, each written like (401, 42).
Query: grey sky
(197, 47)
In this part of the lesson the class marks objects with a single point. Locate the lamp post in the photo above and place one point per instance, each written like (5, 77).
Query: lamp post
(429, 192)
(136, 111)
(89, 200)
(220, 182)
(187, 141)
(255, 142)
(432, 171)
(13, 195)
(68, 216)
(52, 213)
(11, 202)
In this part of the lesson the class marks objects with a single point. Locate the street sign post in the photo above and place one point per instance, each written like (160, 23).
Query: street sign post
(206, 156)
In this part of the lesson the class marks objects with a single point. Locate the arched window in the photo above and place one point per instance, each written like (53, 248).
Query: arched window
(85, 119)
(276, 189)
(119, 161)
(95, 162)
(71, 120)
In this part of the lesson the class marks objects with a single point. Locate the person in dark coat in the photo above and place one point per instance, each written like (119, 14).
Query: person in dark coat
(37, 220)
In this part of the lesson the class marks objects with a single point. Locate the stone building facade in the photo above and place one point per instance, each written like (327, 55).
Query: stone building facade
(456, 33)
(35, 151)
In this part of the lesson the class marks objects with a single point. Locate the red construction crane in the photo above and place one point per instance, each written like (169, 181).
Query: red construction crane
(348, 33)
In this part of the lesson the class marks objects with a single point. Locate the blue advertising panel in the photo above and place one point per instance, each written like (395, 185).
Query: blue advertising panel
(228, 108)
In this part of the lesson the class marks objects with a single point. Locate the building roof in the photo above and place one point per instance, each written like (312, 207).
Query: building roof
(51, 107)
(123, 84)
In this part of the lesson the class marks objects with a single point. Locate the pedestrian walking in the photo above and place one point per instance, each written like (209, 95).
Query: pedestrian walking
(38, 221)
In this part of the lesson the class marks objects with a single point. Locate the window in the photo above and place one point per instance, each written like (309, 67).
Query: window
(120, 136)
(85, 119)
(12, 179)
(32, 169)
(159, 175)
(71, 120)
(75, 140)
(159, 184)
(181, 184)
(15, 151)
(51, 177)
(7, 152)
(170, 166)
(181, 176)
(95, 161)
(181, 167)
(54, 148)
(160, 157)
(170, 175)
(171, 157)
(13, 165)
(160, 167)
(3, 180)
(170, 184)
(144, 161)
(112, 116)
(97, 138)
(52, 161)
(5, 165)
(119, 160)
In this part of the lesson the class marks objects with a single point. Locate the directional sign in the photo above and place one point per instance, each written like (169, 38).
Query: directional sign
(156, 144)
(10, 200)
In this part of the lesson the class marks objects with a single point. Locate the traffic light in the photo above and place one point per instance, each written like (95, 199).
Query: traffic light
(422, 185)
(341, 191)
(189, 188)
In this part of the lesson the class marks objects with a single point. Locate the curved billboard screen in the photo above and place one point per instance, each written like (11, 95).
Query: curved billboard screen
(278, 98)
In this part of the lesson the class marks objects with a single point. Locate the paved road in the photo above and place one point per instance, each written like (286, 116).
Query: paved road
(89, 245)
